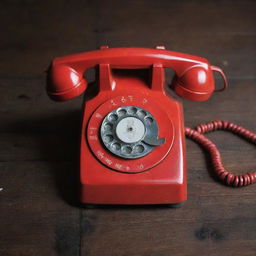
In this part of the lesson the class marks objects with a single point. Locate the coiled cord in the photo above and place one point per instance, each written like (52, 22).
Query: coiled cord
(224, 175)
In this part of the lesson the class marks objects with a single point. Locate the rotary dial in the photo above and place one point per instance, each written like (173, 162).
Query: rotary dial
(130, 132)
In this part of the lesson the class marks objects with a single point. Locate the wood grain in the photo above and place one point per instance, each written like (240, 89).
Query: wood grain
(35, 32)
(39, 212)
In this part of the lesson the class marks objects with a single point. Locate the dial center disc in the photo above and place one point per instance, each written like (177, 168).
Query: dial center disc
(130, 130)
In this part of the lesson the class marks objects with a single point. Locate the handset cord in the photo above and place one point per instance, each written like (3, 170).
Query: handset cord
(224, 175)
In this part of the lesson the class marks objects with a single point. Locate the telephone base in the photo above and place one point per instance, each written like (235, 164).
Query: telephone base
(109, 175)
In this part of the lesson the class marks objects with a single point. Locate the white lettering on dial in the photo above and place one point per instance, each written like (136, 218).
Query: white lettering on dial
(144, 101)
(98, 115)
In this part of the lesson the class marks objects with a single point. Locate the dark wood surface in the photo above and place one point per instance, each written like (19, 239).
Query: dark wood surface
(38, 138)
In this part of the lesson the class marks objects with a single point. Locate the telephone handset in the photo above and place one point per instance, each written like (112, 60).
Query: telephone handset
(132, 139)
(194, 79)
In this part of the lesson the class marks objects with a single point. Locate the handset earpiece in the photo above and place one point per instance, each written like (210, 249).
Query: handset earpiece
(64, 82)
(197, 82)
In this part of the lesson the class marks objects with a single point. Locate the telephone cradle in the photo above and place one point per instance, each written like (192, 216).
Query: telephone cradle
(133, 136)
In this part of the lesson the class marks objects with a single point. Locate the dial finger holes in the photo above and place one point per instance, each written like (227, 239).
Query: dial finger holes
(121, 112)
(126, 150)
(149, 120)
(138, 149)
(123, 129)
(108, 138)
(141, 113)
(108, 127)
(112, 117)
(116, 146)
(132, 110)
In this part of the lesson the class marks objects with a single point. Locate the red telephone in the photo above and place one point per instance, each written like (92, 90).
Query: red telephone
(132, 139)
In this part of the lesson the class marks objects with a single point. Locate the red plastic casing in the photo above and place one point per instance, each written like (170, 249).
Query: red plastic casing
(165, 181)
(163, 184)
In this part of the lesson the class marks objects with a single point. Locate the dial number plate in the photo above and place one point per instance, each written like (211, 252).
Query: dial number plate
(127, 164)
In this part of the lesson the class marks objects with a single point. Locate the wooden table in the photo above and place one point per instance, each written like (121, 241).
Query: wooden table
(38, 137)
